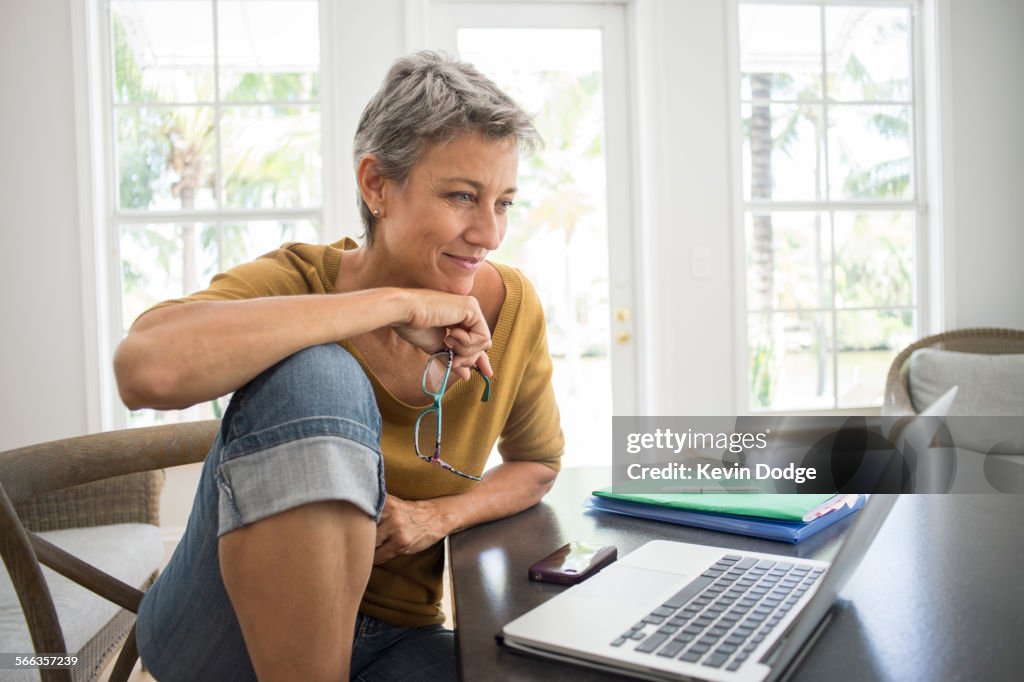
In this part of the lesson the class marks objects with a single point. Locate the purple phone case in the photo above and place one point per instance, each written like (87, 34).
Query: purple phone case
(563, 567)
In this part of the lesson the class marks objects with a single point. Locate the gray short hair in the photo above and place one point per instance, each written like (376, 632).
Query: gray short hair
(428, 98)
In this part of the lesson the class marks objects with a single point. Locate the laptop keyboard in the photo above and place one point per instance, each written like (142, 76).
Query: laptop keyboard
(720, 618)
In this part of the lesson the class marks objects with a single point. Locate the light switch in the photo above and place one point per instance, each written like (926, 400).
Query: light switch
(700, 262)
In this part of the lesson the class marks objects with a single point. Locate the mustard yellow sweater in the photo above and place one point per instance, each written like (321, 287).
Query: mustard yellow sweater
(521, 415)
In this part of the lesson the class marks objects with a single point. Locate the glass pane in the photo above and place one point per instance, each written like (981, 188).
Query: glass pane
(788, 261)
(272, 156)
(160, 262)
(165, 158)
(426, 434)
(869, 152)
(782, 157)
(268, 51)
(435, 374)
(790, 361)
(558, 233)
(162, 51)
(780, 52)
(868, 342)
(874, 259)
(869, 54)
(242, 242)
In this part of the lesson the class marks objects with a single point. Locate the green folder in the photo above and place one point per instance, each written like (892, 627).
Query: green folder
(784, 507)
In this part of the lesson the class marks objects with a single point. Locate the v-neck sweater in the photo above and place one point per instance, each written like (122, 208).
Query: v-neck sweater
(521, 415)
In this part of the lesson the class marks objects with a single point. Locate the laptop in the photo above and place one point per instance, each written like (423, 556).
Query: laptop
(673, 610)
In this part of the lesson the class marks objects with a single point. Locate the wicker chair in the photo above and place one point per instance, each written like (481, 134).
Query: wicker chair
(987, 340)
(100, 479)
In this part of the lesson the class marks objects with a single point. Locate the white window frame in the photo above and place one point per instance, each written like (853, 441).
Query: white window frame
(100, 216)
(928, 229)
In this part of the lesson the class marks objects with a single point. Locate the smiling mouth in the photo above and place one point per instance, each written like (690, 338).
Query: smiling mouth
(468, 262)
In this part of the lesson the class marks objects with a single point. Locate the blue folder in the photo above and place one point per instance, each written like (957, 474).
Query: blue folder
(770, 529)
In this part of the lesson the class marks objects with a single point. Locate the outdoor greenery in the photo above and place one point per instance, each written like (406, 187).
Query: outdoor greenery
(166, 159)
(555, 202)
(174, 153)
(788, 265)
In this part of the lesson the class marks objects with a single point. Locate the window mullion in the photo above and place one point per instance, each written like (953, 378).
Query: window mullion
(218, 189)
(137, 217)
(763, 206)
(823, 141)
(835, 311)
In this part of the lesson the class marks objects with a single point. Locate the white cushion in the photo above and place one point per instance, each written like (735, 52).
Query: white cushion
(991, 389)
(131, 552)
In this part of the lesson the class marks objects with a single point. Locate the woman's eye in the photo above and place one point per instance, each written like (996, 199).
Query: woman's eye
(462, 196)
(505, 204)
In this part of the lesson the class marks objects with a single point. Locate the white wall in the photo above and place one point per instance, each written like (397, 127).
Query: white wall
(42, 384)
(690, 207)
(987, 44)
(42, 376)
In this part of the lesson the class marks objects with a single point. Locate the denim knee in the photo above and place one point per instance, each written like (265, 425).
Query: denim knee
(305, 430)
(320, 381)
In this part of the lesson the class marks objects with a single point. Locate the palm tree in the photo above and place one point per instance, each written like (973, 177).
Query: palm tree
(188, 137)
(762, 250)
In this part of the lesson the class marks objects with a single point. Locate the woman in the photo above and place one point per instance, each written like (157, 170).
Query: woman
(296, 563)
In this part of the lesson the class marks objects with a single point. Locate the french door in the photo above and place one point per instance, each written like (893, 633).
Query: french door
(570, 231)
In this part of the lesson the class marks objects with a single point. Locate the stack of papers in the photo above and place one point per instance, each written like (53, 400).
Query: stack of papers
(786, 518)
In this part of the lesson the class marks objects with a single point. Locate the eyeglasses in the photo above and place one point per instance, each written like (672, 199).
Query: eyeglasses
(428, 424)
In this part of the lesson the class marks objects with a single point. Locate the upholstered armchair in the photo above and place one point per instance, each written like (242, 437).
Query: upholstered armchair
(87, 509)
(985, 419)
(898, 400)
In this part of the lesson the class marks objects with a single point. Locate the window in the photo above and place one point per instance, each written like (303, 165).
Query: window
(830, 199)
(216, 135)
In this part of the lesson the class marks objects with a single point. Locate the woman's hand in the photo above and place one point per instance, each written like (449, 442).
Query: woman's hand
(436, 319)
(407, 528)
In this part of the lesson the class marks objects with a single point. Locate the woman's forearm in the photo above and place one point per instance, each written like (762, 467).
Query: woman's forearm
(506, 489)
(184, 354)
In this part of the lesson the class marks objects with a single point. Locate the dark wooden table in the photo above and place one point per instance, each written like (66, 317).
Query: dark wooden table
(939, 596)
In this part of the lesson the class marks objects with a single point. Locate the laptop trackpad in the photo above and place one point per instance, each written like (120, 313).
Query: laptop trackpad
(593, 613)
(629, 585)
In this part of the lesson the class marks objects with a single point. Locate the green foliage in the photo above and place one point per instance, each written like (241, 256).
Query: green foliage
(559, 204)
(886, 179)
(127, 76)
(274, 87)
(163, 152)
(874, 330)
(273, 172)
(141, 156)
(761, 355)
(141, 161)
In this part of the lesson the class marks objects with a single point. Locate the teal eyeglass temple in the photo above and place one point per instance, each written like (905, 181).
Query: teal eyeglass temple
(436, 407)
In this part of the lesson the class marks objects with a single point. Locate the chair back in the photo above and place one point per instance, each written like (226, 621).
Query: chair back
(987, 340)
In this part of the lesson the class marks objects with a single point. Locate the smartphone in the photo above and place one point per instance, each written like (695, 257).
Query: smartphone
(573, 563)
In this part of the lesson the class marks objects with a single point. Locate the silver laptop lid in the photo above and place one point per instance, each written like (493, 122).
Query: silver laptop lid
(855, 545)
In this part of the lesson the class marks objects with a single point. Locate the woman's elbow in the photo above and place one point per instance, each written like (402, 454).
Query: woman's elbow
(141, 382)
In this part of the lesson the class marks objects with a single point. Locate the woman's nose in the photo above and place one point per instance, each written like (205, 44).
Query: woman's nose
(487, 230)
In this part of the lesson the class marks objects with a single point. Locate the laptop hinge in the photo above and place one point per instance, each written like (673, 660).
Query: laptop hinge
(788, 667)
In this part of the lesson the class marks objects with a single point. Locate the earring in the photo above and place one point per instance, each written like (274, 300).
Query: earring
(376, 213)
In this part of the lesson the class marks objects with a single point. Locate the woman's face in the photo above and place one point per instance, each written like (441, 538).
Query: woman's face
(451, 212)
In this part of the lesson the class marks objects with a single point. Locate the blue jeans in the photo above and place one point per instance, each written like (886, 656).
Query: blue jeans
(305, 430)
